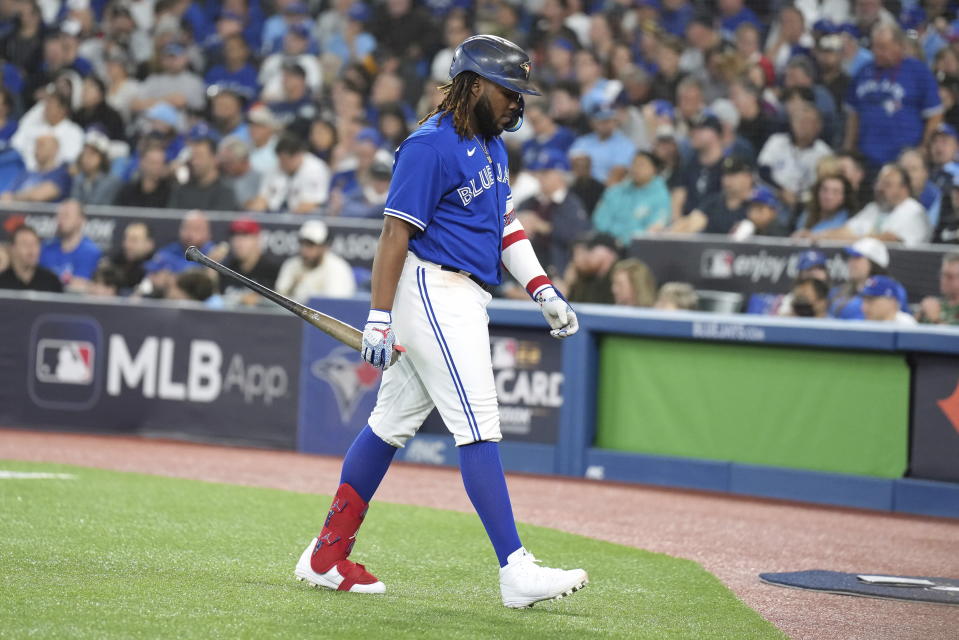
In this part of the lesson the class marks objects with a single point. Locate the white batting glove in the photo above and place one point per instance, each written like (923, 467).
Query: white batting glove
(379, 339)
(559, 315)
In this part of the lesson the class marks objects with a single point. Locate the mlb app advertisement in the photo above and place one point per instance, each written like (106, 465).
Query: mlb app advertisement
(146, 368)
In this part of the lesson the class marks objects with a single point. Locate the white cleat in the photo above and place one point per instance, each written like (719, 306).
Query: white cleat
(361, 580)
(523, 583)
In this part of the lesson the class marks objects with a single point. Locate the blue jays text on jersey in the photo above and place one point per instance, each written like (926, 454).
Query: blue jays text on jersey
(456, 192)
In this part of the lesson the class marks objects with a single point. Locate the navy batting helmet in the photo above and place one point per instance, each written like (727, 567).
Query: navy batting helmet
(499, 61)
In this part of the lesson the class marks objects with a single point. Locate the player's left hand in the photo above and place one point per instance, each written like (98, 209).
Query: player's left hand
(559, 315)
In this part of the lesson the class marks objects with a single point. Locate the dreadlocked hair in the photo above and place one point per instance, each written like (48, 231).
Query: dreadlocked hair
(456, 102)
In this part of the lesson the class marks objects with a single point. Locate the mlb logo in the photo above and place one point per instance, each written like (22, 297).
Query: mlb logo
(66, 361)
(717, 263)
(504, 352)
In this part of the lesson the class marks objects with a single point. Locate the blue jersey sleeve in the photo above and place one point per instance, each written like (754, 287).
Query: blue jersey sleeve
(419, 182)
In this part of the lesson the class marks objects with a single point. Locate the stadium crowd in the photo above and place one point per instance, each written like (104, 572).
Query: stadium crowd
(816, 120)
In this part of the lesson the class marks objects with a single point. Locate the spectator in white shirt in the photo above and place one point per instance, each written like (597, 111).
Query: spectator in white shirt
(51, 117)
(316, 271)
(299, 184)
(789, 160)
(264, 131)
(895, 216)
(296, 44)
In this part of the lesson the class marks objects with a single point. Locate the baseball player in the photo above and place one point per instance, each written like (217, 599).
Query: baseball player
(449, 222)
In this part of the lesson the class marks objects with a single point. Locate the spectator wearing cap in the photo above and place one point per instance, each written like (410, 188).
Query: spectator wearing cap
(894, 216)
(609, 150)
(762, 216)
(25, 272)
(789, 160)
(854, 56)
(175, 84)
(866, 257)
(131, 257)
(299, 184)
(832, 199)
(666, 149)
(295, 102)
(151, 184)
(264, 131)
(720, 210)
(247, 258)
(733, 144)
(700, 174)
(828, 56)
(71, 255)
(92, 181)
(95, 112)
(233, 157)
(236, 68)
(48, 181)
(317, 270)
(589, 275)
(547, 134)
(787, 38)
(296, 46)
(881, 296)
(226, 111)
(555, 217)
(925, 190)
(367, 202)
(894, 101)
(50, 117)
(943, 153)
(944, 309)
(287, 14)
(206, 189)
(637, 205)
(352, 43)
(810, 265)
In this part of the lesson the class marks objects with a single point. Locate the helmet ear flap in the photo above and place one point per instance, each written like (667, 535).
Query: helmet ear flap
(517, 121)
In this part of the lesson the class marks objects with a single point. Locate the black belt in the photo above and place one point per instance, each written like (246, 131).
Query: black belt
(482, 285)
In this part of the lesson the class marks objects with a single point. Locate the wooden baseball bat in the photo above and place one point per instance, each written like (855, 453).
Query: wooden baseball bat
(336, 329)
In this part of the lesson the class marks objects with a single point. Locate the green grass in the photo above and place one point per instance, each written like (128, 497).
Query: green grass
(125, 555)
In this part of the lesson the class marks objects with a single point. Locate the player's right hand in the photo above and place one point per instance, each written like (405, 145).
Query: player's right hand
(379, 339)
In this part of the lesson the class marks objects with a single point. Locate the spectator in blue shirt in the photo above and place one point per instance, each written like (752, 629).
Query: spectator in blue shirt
(894, 101)
(235, 68)
(227, 103)
(636, 205)
(168, 260)
(610, 151)
(71, 255)
(676, 15)
(8, 119)
(547, 134)
(734, 13)
(49, 182)
(833, 202)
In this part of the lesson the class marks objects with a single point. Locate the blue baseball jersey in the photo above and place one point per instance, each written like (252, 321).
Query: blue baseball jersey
(81, 262)
(892, 104)
(457, 198)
